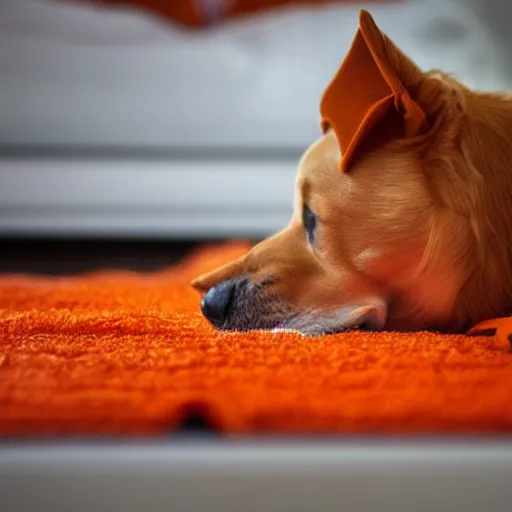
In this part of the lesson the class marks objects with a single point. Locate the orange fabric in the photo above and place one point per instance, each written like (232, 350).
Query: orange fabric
(365, 91)
(501, 328)
(127, 353)
(199, 13)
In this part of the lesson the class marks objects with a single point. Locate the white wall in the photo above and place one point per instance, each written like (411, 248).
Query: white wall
(76, 75)
(84, 82)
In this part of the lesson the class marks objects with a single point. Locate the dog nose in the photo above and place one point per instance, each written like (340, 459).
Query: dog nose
(215, 304)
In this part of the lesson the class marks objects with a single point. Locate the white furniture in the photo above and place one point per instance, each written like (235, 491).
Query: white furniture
(113, 122)
(349, 475)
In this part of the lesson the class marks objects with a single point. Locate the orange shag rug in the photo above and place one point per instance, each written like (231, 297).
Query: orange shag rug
(120, 353)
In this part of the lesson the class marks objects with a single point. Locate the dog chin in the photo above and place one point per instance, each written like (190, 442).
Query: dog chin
(315, 323)
(312, 324)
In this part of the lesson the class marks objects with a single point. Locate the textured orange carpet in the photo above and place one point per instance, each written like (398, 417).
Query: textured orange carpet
(125, 353)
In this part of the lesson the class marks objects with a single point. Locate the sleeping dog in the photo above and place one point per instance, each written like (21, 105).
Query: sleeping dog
(401, 217)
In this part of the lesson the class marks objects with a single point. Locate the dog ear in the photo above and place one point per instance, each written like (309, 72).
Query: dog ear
(370, 96)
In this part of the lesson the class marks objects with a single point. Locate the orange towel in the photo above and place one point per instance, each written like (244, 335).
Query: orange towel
(200, 13)
(128, 353)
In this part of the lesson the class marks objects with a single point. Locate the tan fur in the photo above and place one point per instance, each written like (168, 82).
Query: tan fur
(421, 225)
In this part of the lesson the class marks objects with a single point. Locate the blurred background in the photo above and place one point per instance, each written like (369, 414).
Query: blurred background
(132, 130)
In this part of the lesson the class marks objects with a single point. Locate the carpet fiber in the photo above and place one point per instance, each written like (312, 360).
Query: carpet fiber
(119, 353)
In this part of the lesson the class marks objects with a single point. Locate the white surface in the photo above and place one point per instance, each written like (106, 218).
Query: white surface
(147, 198)
(354, 475)
(81, 75)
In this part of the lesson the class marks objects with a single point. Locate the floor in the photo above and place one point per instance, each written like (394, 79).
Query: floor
(57, 257)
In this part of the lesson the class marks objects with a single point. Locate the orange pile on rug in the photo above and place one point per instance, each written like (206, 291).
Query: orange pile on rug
(123, 353)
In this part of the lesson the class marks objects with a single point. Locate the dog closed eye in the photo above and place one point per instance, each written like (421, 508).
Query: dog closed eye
(310, 223)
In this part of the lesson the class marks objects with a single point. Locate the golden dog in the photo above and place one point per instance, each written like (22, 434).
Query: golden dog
(416, 235)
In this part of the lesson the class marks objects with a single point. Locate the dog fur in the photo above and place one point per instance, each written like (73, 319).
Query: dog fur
(417, 234)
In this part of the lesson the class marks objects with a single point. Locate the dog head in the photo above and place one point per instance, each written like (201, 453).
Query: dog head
(391, 223)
